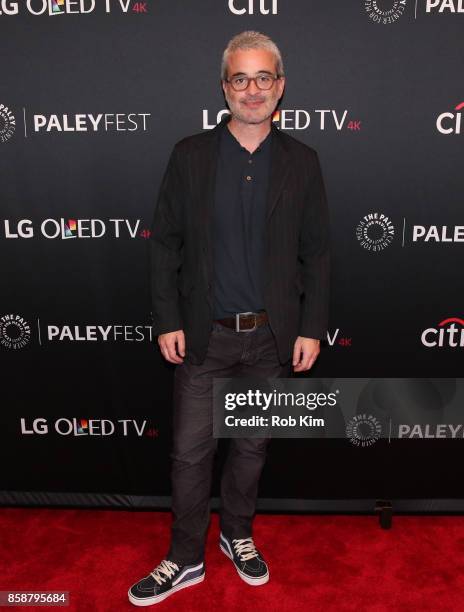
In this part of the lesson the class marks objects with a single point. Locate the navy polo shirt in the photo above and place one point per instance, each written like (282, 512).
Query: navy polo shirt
(238, 225)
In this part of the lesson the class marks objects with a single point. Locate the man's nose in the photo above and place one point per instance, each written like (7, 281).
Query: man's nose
(252, 87)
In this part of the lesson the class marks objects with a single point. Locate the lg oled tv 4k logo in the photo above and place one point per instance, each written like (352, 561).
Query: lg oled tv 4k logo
(324, 119)
(65, 229)
(96, 427)
(52, 8)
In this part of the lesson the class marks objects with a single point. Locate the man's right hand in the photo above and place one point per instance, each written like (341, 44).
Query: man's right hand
(167, 343)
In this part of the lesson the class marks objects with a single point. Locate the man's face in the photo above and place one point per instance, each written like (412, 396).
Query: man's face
(253, 105)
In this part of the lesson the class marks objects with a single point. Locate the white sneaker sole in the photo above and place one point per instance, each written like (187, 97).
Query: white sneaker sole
(244, 577)
(148, 601)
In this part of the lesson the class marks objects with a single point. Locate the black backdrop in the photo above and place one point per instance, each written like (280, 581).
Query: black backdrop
(92, 99)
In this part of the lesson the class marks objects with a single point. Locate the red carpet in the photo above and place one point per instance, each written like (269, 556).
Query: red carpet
(315, 562)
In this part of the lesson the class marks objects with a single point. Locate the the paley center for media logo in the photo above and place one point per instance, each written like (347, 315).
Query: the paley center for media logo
(375, 231)
(363, 430)
(386, 12)
(7, 123)
(16, 332)
(42, 124)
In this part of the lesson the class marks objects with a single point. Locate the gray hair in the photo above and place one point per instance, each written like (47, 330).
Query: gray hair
(250, 39)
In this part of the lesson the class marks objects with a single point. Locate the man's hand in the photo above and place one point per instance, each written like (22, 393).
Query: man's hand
(167, 343)
(305, 352)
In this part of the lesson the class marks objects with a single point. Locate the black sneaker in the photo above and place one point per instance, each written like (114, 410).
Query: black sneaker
(167, 578)
(248, 562)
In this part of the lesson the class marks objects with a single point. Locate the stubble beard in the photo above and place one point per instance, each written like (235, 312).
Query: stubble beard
(240, 113)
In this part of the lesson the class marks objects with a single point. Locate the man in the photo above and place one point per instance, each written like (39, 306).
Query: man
(240, 232)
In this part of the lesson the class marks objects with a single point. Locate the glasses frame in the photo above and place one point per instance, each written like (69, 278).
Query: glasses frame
(274, 77)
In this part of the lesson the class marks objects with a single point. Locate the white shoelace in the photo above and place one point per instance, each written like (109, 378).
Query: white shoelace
(165, 567)
(245, 548)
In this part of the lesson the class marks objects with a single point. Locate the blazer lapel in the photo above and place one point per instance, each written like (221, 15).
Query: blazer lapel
(279, 171)
(205, 175)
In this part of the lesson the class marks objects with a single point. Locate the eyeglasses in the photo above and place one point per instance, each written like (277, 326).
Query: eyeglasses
(262, 81)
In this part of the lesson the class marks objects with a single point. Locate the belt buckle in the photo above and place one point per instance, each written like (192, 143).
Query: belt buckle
(237, 321)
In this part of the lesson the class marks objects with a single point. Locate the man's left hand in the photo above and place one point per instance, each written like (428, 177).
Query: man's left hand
(305, 352)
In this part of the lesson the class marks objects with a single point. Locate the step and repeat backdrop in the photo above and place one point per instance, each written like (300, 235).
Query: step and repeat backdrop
(93, 96)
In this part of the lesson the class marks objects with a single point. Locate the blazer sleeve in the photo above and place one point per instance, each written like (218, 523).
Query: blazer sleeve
(314, 256)
(166, 241)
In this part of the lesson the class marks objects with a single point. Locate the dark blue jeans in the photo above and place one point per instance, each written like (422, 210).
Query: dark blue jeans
(229, 354)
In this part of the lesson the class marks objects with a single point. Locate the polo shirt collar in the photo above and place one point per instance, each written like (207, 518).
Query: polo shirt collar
(230, 141)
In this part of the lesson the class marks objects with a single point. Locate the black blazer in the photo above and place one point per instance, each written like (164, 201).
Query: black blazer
(296, 276)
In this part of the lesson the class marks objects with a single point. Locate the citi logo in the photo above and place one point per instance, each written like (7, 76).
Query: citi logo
(448, 333)
(51, 8)
(249, 7)
(450, 123)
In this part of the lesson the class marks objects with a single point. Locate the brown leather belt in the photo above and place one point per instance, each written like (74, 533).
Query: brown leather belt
(245, 321)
